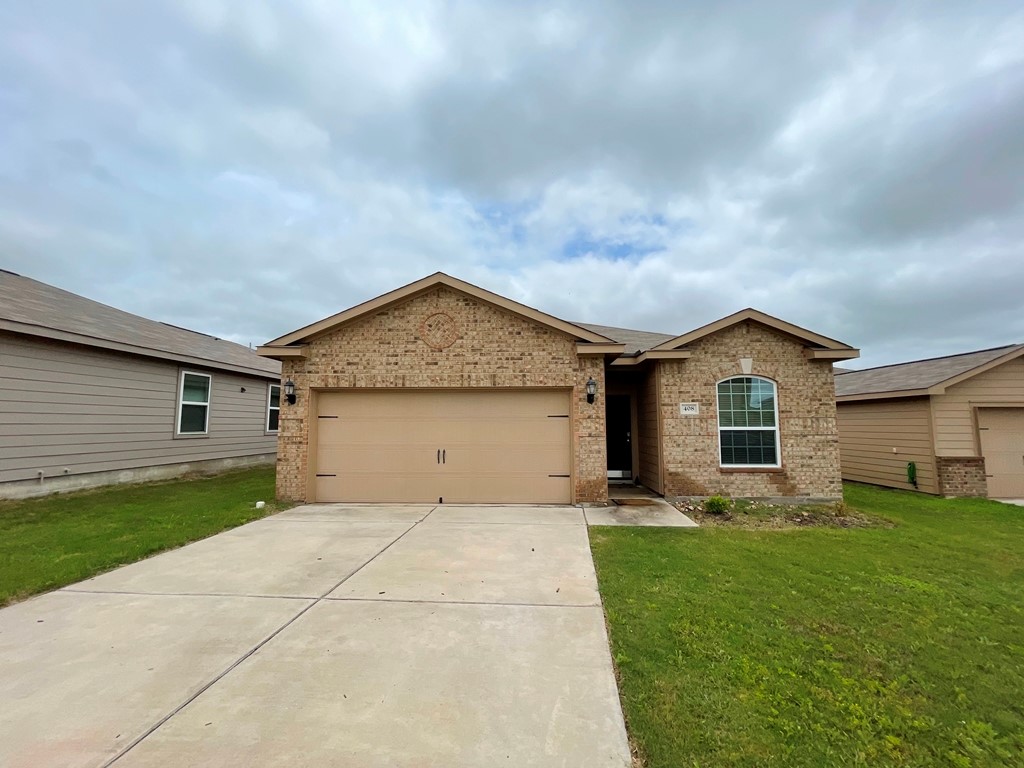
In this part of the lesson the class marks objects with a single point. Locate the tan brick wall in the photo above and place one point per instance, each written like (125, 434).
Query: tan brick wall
(491, 348)
(962, 475)
(807, 418)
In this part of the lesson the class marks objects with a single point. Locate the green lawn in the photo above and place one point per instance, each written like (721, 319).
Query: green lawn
(823, 646)
(48, 542)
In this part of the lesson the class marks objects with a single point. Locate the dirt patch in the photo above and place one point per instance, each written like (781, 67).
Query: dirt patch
(634, 502)
(765, 516)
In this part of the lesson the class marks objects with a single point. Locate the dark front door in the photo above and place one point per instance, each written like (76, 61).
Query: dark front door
(619, 427)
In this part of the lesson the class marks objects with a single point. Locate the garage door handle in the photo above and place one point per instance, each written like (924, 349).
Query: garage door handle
(444, 456)
(438, 455)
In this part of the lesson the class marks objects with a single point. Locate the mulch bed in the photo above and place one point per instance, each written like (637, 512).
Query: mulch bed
(765, 516)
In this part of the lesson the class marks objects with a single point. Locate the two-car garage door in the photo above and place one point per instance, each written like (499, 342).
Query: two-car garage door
(454, 446)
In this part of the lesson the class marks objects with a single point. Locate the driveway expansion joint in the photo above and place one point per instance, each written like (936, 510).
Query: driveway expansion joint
(234, 665)
(460, 602)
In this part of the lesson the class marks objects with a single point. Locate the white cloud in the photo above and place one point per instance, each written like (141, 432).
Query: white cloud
(855, 168)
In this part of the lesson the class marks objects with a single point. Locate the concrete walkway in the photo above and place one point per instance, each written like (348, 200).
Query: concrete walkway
(326, 635)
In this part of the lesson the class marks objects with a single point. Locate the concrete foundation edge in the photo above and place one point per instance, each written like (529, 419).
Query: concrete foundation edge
(27, 489)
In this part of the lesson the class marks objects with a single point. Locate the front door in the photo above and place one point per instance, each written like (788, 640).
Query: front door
(619, 434)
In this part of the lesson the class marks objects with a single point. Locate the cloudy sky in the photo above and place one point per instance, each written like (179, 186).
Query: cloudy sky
(244, 168)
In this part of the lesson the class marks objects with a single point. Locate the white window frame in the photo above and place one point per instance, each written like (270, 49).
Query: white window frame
(776, 428)
(182, 402)
(270, 392)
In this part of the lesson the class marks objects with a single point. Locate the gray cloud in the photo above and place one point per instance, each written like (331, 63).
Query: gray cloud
(244, 168)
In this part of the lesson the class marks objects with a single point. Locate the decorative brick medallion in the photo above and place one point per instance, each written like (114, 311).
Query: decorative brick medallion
(439, 330)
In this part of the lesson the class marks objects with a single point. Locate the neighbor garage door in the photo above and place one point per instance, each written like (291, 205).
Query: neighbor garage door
(455, 446)
(1002, 445)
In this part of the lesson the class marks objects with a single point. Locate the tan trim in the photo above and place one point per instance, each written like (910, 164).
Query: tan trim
(643, 357)
(883, 395)
(941, 387)
(831, 354)
(280, 353)
(661, 429)
(585, 350)
(312, 438)
(40, 331)
(427, 283)
(757, 316)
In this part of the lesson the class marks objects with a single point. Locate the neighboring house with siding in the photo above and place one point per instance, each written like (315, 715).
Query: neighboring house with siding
(958, 419)
(444, 392)
(92, 395)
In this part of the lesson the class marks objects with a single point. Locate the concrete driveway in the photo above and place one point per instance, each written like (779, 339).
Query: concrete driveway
(326, 635)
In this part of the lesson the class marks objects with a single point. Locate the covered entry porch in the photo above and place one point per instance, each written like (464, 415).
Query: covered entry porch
(633, 428)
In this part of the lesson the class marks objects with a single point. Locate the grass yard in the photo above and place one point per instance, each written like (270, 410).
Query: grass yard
(52, 541)
(881, 646)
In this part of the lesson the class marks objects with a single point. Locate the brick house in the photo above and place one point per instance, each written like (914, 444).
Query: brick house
(443, 391)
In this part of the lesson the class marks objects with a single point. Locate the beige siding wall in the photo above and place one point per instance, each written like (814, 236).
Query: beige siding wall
(870, 430)
(649, 437)
(952, 413)
(86, 410)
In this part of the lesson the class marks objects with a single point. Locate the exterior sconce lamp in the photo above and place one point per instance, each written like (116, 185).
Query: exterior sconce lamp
(591, 389)
(289, 392)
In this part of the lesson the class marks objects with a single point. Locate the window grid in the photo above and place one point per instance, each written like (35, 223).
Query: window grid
(748, 422)
(194, 403)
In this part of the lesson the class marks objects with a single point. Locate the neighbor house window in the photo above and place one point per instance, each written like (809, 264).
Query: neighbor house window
(273, 407)
(748, 418)
(194, 403)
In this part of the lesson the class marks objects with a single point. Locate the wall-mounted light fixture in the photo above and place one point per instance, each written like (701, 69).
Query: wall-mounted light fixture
(289, 392)
(591, 389)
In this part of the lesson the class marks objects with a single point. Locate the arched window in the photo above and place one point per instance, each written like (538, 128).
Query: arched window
(748, 418)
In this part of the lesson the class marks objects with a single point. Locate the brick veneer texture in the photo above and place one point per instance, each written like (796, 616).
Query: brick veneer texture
(807, 418)
(961, 476)
(492, 348)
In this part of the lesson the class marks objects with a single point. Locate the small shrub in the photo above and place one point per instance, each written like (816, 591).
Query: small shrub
(716, 505)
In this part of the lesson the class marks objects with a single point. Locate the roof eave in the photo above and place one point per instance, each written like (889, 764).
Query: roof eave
(810, 337)
(425, 284)
(814, 353)
(282, 353)
(889, 395)
(55, 334)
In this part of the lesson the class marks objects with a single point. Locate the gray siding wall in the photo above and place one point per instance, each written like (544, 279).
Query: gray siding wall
(87, 410)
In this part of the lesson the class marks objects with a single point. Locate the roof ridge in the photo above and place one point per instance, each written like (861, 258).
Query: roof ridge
(932, 359)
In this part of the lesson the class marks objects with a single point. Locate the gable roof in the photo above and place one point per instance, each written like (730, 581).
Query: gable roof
(302, 335)
(822, 347)
(921, 377)
(33, 308)
(635, 341)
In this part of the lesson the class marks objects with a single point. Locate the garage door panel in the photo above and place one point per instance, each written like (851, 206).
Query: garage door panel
(1002, 445)
(499, 446)
(380, 487)
(507, 488)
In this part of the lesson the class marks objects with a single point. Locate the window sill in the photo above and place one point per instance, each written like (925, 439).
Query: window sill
(751, 470)
(192, 436)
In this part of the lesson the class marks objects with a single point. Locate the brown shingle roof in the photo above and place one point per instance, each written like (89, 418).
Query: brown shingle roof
(29, 306)
(635, 341)
(918, 374)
